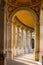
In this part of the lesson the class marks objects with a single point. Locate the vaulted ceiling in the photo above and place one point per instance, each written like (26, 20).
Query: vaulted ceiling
(24, 17)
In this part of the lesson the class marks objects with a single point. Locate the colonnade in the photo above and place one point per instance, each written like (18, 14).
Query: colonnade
(21, 41)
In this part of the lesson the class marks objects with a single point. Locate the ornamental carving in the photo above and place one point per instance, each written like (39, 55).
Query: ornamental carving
(25, 2)
(33, 4)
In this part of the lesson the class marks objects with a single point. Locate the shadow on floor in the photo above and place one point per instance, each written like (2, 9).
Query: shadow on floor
(12, 62)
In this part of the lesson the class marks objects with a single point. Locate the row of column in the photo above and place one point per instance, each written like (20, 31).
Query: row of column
(21, 39)
(12, 41)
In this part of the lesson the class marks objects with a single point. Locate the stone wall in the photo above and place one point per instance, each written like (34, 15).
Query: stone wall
(1, 32)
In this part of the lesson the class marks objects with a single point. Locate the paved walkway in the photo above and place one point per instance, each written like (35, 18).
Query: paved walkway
(23, 60)
(12, 62)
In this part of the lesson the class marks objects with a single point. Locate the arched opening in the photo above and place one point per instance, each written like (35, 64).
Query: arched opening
(20, 33)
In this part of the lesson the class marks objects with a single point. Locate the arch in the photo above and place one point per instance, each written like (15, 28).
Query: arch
(23, 8)
(35, 24)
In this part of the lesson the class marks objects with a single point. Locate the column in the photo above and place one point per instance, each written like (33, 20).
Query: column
(15, 44)
(8, 49)
(30, 38)
(37, 44)
(18, 42)
(18, 37)
(22, 44)
(22, 37)
(14, 35)
(26, 41)
(30, 41)
(13, 40)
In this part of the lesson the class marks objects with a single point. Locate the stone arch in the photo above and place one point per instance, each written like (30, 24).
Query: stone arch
(24, 8)
(36, 24)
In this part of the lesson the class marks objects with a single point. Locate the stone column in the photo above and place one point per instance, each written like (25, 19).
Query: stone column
(37, 43)
(22, 47)
(9, 34)
(13, 40)
(13, 36)
(30, 38)
(18, 40)
(22, 37)
(17, 36)
(27, 41)
(30, 41)
(24, 40)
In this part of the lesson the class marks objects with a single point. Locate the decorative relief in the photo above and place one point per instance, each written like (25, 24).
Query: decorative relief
(10, 9)
(19, 3)
(36, 9)
(33, 4)
(35, 1)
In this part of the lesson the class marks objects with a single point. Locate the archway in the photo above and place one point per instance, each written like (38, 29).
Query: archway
(36, 24)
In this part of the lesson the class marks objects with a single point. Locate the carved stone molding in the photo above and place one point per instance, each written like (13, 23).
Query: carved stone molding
(24, 2)
(14, 4)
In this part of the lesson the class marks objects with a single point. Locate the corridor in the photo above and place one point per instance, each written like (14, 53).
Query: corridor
(22, 39)
(21, 32)
(27, 59)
